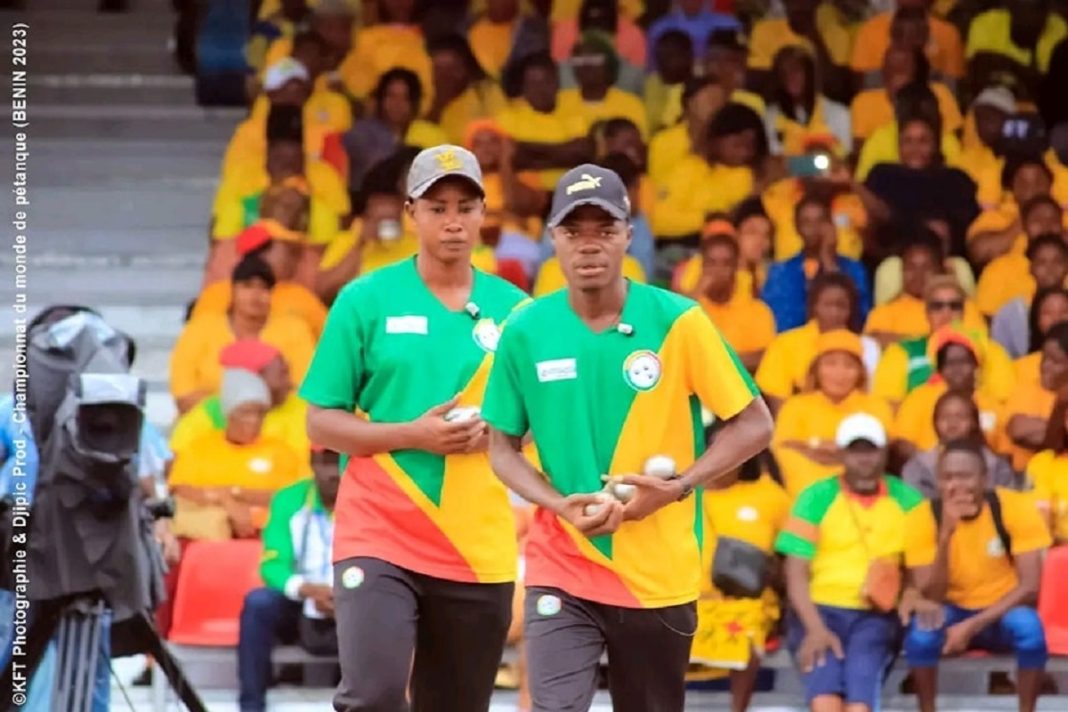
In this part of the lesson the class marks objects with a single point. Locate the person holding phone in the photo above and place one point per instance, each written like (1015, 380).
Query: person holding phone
(424, 536)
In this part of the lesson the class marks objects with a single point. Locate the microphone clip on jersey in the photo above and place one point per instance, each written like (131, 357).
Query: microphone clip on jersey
(625, 329)
(472, 310)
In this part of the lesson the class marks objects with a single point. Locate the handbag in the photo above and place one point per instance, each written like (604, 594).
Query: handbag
(739, 569)
(882, 582)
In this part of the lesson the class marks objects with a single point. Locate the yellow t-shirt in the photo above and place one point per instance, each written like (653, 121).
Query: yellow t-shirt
(690, 275)
(872, 109)
(997, 376)
(477, 102)
(195, 359)
(1006, 278)
(780, 200)
(1028, 369)
(784, 369)
(213, 461)
(492, 43)
(773, 34)
(813, 418)
(906, 317)
(989, 32)
(326, 109)
(379, 48)
(1027, 399)
(881, 147)
(980, 570)
(1047, 473)
(746, 323)
(377, 253)
(616, 103)
(944, 49)
(525, 125)
(551, 276)
(666, 150)
(289, 298)
(694, 189)
(914, 422)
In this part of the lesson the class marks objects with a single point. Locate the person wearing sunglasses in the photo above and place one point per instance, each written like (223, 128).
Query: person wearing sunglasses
(906, 365)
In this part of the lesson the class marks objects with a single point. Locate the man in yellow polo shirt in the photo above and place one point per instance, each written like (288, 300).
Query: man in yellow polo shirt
(980, 555)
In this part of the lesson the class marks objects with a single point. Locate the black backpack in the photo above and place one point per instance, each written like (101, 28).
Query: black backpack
(994, 504)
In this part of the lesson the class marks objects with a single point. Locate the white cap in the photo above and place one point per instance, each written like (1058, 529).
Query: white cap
(997, 97)
(282, 71)
(860, 426)
(239, 387)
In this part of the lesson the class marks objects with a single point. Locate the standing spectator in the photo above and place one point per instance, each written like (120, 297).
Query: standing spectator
(1020, 325)
(462, 91)
(798, 113)
(843, 543)
(1047, 475)
(804, 442)
(979, 554)
(596, 98)
(297, 602)
(1016, 40)
(943, 45)
(1007, 276)
(664, 86)
(788, 282)
(956, 418)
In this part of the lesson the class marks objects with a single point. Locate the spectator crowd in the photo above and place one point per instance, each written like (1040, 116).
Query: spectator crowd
(867, 199)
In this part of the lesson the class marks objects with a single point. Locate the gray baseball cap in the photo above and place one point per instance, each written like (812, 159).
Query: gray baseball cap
(433, 164)
(589, 185)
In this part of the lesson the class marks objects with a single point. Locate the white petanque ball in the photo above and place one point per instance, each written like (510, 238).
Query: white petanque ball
(660, 466)
(623, 492)
(463, 414)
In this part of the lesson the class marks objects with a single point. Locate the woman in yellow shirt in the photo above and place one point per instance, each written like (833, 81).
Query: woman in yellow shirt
(797, 113)
(803, 442)
(1049, 308)
(1047, 475)
(195, 369)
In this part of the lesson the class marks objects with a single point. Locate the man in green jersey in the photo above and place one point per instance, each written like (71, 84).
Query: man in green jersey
(424, 545)
(609, 377)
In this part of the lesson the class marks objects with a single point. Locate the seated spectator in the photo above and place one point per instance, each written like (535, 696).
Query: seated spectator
(788, 281)
(325, 110)
(888, 274)
(195, 369)
(958, 359)
(906, 365)
(804, 443)
(223, 482)
(1013, 324)
(702, 98)
(462, 91)
(395, 42)
(500, 31)
(1049, 308)
(979, 555)
(394, 122)
(745, 322)
(732, 627)
(621, 135)
(1047, 476)
(725, 59)
(798, 113)
(1015, 40)
(281, 21)
(914, 101)
(832, 304)
(281, 250)
(998, 231)
(941, 40)
(604, 16)
(1008, 276)
(821, 34)
(843, 544)
(714, 181)
(921, 186)
(297, 602)
(905, 316)
(956, 418)
(696, 20)
(874, 108)
(1029, 409)
(548, 139)
(673, 64)
(982, 135)
(335, 22)
(596, 67)
(754, 233)
(285, 421)
(382, 233)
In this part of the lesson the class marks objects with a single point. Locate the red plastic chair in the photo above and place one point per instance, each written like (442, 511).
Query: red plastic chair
(1052, 603)
(212, 584)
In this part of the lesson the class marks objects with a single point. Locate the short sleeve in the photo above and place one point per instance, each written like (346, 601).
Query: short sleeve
(503, 406)
(713, 370)
(921, 536)
(1028, 531)
(1038, 477)
(891, 374)
(336, 373)
(773, 375)
(801, 531)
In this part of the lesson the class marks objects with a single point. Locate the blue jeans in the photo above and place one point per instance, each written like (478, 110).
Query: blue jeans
(267, 617)
(1019, 631)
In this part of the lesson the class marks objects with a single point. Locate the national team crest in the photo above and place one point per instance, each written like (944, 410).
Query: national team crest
(487, 335)
(641, 370)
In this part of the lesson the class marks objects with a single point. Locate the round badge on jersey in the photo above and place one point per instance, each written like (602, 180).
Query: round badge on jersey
(994, 549)
(487, 335)
(748, 514)
(548, 605)
(259, 465)
(352, 577)
(641, 370)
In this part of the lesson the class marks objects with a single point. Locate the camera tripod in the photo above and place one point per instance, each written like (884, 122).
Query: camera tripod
(79, 623)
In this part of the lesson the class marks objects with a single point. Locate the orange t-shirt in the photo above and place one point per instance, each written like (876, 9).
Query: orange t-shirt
(944, 49)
